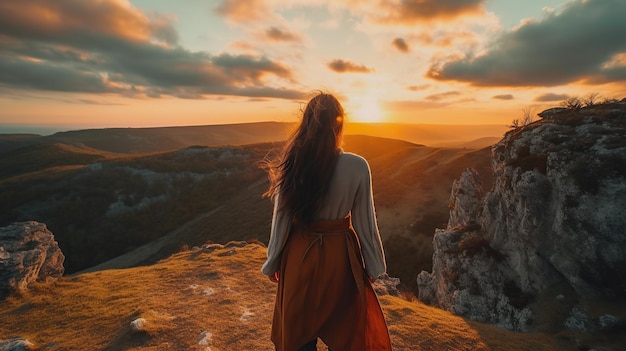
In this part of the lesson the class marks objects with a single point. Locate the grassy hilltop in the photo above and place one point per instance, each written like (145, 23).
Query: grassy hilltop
(201, 300)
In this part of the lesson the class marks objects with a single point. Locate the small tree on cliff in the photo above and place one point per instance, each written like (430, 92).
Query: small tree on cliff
(524, 120)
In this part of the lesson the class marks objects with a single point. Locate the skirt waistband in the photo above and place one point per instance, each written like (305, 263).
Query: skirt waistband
(331, 226)
(321, 229)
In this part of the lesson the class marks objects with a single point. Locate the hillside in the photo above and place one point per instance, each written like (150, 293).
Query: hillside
(214, 298)
(435, 135)
(142, 140)
(102, 205)
(47, 155)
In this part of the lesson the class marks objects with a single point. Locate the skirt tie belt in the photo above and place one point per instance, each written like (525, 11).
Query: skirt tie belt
(320, 238)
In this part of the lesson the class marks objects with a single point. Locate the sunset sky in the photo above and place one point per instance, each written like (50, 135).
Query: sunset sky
(116, 63)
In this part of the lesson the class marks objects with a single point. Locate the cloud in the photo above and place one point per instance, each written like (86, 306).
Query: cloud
(575, 45)
(277, 34)
(343, 66)
(551, 97)
(246, 68)
(411, 105)
(418, 87)
(441, 38)
(503, 97)
(107, 46)
(41, 19)
(94, 102)
(442, 96)
(243, 11)
(409, 12)
(400, 44)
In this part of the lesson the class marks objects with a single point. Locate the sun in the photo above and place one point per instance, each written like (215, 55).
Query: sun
(368, 110)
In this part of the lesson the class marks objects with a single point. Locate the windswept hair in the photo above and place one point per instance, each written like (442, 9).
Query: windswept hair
(302, 172)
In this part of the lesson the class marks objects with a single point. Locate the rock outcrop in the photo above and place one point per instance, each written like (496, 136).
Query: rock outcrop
(28, 253)
(550, 232)
(386, 285)
(16, 344)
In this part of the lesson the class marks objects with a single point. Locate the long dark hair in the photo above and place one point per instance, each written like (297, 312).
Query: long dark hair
(301, 174)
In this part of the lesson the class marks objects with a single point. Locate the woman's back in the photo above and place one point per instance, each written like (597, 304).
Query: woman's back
(351, 174)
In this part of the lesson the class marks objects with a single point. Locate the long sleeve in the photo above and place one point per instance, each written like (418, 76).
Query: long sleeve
(281, 224)
(366, 227)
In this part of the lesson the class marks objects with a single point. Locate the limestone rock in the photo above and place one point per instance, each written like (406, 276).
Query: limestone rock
(205, 338)
(465, 199)
(138, 325)
(28, 253)
(16, 344)
(553, 221)
(578, 320)
(551, 112)
(386, 285)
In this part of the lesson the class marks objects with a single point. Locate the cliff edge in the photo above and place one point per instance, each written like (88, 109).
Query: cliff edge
(547, 244)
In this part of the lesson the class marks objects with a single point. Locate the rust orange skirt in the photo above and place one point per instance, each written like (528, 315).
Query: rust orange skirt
(324, 292)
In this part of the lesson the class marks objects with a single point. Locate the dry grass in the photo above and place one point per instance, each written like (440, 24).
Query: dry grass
(222, 293)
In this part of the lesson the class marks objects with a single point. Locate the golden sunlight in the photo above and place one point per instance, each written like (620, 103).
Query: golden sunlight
(367, 110)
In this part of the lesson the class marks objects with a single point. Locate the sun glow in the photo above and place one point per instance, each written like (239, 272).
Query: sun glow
(367, 110)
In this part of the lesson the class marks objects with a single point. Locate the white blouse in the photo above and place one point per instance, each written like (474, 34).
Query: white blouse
(350, 191)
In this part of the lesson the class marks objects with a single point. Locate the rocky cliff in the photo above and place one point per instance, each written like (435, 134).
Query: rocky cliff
(549, 237)
(28, 253)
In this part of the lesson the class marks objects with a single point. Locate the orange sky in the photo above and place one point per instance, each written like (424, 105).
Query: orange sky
(137, 63)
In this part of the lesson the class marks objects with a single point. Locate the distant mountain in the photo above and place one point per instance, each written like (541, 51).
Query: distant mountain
(436, 135)
(142, 140)
(146, 140)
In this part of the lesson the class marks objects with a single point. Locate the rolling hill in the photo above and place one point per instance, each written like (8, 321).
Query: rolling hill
(103, 204)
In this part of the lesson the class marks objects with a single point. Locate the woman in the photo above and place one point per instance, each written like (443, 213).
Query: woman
(324, 249)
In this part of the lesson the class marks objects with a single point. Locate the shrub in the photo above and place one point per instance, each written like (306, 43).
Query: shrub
(591, 99)
(573, 103)
(524, 120)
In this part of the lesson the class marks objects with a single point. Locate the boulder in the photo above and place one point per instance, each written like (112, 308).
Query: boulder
(386, 285)
(28, 253)
(552, 112)
(16, 344)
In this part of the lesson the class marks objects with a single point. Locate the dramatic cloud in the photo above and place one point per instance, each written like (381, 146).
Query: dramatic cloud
(49, 20)
(582, 43)
(107, 46)
(276, 34)
(503, 97)
(409, 12)
(342, 66)
(400, 44)
(551, 97)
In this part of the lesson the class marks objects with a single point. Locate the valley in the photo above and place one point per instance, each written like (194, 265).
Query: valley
(114, 209)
